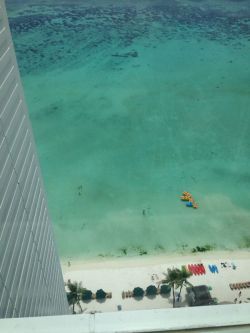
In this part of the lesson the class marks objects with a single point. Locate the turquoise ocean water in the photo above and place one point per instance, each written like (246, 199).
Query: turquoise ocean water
(133, 102)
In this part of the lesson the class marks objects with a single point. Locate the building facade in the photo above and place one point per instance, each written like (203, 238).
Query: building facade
(31, 282)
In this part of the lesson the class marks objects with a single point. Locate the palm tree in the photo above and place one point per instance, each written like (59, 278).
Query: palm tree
(75, 294)
(177, 278)
(172, 278)
(184, 275)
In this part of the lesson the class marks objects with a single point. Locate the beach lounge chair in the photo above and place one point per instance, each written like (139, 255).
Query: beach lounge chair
(197, 269)
(202, 269)
(192, 269)
(109, 295)
(125, 294)
(213, 268)
(239, 285)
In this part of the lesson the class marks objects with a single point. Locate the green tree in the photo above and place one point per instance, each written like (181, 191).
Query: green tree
(177, 278)
(184, 274)
(75, 294)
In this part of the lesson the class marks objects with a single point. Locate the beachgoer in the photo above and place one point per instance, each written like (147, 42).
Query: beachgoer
(235, 300)
(239, 293)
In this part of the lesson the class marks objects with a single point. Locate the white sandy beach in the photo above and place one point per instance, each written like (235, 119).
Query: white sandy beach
(123, 274)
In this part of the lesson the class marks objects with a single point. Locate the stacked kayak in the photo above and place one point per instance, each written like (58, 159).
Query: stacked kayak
(190, 202)
(197, 269)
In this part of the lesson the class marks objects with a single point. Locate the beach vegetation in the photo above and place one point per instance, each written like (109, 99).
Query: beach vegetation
(172, 278)
(151, 290)
(165, 289)
(204, 248)
(74, 295)
(70, 298)
(184, 274)
(177, 278)
(138, 292)
(140, 250)
(101, 294)
(124, 251)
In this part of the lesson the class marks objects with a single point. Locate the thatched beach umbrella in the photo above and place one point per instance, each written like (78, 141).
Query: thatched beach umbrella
(138, 292)
(86, 295)
(100, 294)
(151, 290)
(165, 289)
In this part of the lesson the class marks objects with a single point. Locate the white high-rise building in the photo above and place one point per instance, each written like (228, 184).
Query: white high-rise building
(31, 282)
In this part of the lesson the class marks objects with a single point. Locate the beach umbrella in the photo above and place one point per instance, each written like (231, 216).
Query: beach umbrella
(138, 292)
(100, 294)
(151, 290)
(86, 295)
(165, 289)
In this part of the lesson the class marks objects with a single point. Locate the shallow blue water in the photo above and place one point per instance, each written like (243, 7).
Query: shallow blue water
(131, 104)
